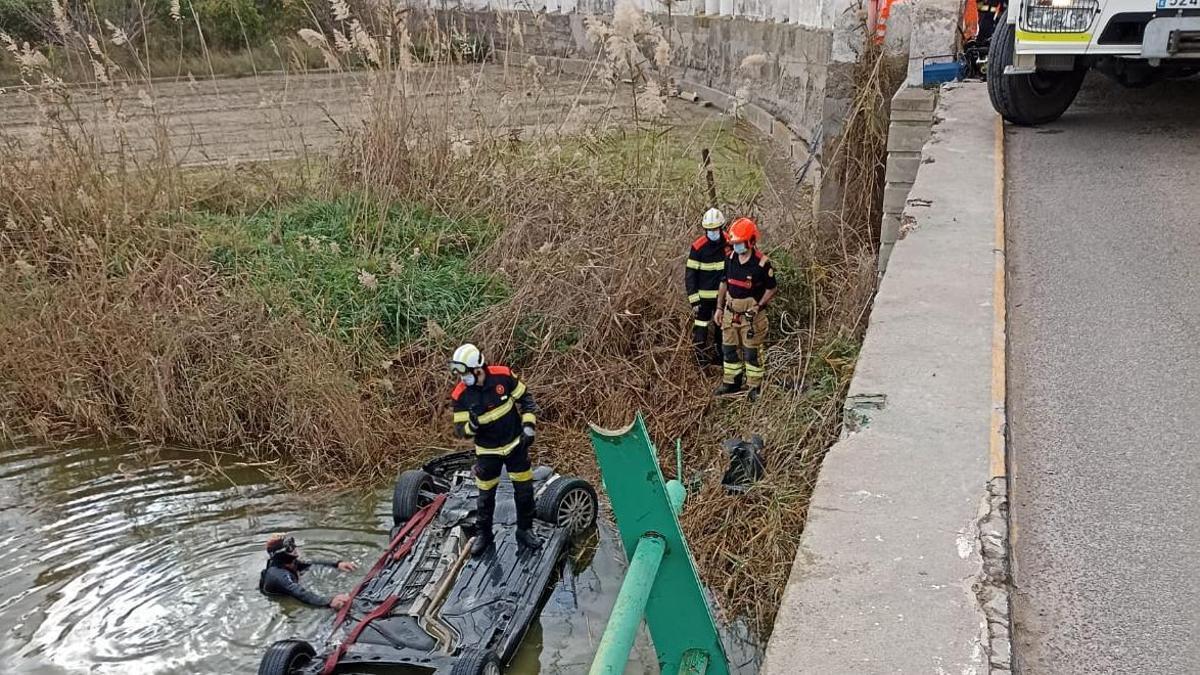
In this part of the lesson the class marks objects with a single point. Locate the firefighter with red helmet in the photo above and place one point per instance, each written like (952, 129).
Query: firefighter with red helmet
(493, 407)
(702, 279)
(747, 289)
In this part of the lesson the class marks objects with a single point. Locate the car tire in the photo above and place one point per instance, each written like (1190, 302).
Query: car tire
(406, 496)
(476, 662)
(569, 502)
(1027, 100)
(286, 657)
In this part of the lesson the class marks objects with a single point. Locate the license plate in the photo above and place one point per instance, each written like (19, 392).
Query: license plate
(1179, 4)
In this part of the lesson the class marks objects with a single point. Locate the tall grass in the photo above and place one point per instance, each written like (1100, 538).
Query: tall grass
(304, 316)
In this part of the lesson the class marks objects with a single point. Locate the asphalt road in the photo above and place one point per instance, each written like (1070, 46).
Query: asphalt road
(1103, 225)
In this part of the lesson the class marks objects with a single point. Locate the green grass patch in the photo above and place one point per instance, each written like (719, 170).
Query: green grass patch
(667, 157)
(358, 268)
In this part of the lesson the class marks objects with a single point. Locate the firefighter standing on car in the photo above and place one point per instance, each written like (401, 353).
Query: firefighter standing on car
(746, 290)
(492, 407)
(702, 279)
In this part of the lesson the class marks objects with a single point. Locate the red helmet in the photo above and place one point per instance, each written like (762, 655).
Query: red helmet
(743, 230)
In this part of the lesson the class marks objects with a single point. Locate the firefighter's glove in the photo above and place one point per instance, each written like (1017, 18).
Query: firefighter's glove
(696, 309)
(529, 430)
(749, 314)
(473, 421)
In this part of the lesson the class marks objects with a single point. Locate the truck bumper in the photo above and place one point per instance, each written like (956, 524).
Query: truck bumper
(1176, 37)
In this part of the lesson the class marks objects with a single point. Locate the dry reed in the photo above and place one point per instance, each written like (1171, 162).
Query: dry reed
(115, 321)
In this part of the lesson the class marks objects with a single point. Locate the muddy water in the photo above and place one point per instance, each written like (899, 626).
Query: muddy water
(114, 560)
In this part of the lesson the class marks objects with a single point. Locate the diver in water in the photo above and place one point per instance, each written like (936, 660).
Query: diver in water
(281, 576)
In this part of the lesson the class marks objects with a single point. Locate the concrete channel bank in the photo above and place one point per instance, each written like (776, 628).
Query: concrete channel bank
(893, 574)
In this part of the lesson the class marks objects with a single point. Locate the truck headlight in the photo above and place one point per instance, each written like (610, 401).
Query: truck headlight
(1060, 16)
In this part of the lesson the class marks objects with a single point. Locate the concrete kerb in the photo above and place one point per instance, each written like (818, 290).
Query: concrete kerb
(760, 119)
(911, 118)
(901, 568)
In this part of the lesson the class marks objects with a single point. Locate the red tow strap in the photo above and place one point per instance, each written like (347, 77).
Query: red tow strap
(399, 547)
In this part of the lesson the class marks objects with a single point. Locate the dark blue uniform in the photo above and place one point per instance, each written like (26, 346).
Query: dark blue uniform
(279, 581)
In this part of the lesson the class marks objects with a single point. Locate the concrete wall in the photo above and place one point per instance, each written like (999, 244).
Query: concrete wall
(790, 86)
(811, 13)
(811, 47)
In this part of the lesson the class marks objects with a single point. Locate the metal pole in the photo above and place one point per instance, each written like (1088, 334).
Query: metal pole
(613, 652)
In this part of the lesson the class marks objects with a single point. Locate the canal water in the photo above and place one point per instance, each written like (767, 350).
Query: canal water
(116, 559)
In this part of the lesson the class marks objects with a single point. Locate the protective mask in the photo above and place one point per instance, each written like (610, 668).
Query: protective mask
(713, 235)
(468, 379)
(739, 248)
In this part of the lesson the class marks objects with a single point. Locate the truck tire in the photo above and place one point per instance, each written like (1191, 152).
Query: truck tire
(569, 502)
(476, 662)
(406, 496)
(1027, 100)
(286, 657)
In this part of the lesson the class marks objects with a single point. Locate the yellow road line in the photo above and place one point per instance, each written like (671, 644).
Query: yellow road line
(997, 445)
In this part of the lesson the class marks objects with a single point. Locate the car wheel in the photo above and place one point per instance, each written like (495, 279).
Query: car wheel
(569, 503)
(476, 662)
(407, 498)
(286, 657)
(1032, 99)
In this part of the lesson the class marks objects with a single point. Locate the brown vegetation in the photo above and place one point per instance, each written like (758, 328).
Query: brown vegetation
(116, 320)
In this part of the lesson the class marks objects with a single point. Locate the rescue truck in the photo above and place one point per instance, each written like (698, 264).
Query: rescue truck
(1041, 50)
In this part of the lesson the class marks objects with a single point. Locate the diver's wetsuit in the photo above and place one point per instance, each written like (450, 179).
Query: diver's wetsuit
(277, 580)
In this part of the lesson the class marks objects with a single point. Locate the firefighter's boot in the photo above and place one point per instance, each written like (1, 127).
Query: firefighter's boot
(527, 539)
(483, 521)
(523, 496)
(732, 369)
(727, 388)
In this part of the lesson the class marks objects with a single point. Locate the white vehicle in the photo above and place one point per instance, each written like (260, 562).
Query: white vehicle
(1041, 50)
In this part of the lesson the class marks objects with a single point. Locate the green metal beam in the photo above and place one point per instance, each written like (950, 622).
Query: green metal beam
(677, 613)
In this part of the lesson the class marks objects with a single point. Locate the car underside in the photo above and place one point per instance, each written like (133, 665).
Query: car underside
(427, 605)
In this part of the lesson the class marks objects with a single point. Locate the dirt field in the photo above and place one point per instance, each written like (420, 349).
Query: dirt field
(285, 116)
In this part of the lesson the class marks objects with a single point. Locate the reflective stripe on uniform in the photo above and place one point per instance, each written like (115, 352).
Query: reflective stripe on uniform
(496, 413)
(519, 391)
(528, 418)
(732, 371)
(693, 264)
(710, 266)
(462, 416)
(698, 323)
(486, 484)
(694, 298)
(502, 450)
(707, 295)
(521, 476)
(753, 370)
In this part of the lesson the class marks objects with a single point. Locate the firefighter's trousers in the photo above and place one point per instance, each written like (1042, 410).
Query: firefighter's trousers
(487, 478)
(743, 338)
(702, 326)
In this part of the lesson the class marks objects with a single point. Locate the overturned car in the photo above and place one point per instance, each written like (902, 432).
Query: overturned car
(427, 606)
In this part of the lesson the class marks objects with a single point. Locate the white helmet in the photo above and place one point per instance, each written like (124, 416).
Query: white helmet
(466, 358)
(713, 219)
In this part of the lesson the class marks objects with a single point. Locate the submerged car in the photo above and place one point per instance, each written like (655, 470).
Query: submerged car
(427, 606)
